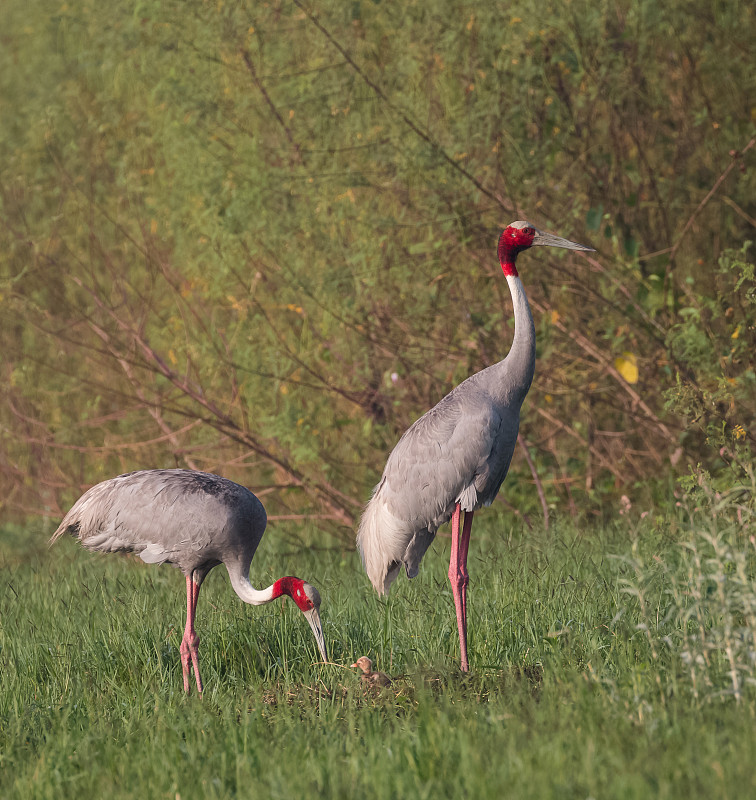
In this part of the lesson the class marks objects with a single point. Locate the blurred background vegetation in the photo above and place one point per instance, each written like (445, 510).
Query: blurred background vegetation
(258, 238)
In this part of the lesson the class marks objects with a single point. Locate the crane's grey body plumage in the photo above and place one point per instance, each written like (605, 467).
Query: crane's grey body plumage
(455, 458)
(192, 520)
(458, 452)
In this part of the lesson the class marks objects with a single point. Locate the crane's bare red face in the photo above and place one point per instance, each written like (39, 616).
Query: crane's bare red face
(517, 238)
(514, 239)
(307, 599)
(520, 235)
(302, 593)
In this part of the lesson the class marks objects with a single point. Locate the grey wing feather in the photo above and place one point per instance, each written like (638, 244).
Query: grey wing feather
(459, 451)
(179, 516)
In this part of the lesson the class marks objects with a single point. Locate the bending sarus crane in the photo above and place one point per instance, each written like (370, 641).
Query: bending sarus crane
(456, 456)
(194, 521)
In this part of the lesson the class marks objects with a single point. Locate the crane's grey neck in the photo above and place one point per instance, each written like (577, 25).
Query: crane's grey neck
(512, 376)
(246, 590)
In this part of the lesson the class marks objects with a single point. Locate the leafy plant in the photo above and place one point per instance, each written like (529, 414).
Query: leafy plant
(698, 608)
(259, 239)
(713, 346)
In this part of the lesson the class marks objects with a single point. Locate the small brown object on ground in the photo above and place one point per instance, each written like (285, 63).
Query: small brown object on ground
(369, 675)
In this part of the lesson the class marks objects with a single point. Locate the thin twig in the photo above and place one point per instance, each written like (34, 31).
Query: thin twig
(408, 121)
(536, 479)
(606, 362)
(738, 210)
(736, 156)
(263, 91)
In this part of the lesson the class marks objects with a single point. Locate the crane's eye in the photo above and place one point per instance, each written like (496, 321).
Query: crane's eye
(530, 231)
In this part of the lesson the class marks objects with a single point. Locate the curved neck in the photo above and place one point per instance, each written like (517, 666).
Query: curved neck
(515, 372)
(247, 591)
(509, 268)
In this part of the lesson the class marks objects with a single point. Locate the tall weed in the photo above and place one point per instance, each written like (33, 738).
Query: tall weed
(697, 606)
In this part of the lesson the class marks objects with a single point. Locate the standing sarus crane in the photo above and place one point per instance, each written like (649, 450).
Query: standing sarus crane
(456, 456)
(194, 521)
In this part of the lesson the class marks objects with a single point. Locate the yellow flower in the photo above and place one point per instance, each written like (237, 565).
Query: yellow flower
(627, 366)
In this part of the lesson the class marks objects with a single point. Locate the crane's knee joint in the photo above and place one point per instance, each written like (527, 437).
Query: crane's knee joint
(189, 644)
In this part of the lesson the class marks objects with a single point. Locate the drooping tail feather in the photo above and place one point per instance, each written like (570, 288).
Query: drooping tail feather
(80, 515)
(382, 541)
(69, 523)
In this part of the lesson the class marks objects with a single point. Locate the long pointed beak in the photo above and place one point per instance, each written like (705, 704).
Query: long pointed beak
(313, 617)
(550, 240)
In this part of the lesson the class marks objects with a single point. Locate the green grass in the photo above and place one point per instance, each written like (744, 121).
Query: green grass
(581, 681)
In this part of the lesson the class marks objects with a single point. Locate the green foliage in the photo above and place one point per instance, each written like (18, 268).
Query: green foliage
(577, 688)
(697, 606)
(713, 347)
(259, 239)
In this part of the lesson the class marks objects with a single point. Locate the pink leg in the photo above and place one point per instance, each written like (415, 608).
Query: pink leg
(464, 545)
(459, 578)
(190, 643)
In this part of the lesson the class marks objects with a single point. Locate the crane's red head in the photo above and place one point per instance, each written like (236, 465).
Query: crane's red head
(302, 593)
(514, 238)
(307, 599)
(520, 236)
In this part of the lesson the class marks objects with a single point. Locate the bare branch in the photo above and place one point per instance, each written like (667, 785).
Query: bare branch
(534, 472)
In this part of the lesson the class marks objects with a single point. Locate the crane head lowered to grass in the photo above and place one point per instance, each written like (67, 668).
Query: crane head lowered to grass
(455, 457)
(194, 521)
